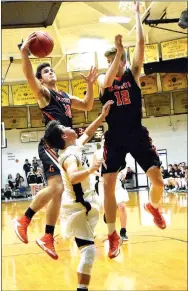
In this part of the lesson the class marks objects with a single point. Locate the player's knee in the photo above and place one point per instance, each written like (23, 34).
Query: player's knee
(159, 183)
(121, 206)
(57, 189)
(88, 254)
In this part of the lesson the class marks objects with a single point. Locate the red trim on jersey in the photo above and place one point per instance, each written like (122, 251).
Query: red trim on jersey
(118, 78)
(48, 115)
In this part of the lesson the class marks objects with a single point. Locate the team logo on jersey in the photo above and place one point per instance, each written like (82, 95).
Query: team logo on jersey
(51, 169)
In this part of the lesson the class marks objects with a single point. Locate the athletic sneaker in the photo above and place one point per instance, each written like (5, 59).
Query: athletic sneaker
(20, 227)
(47, 244)
(114, 245)
(158, 218)
(123, 235)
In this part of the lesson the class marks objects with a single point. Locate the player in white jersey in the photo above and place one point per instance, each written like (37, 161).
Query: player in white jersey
(80, 203)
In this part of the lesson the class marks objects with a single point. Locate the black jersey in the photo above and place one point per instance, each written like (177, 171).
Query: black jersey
(126, 112)
(59, 109)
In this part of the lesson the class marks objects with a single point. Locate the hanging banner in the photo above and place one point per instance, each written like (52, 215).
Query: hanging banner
(4, 95)
(22, 95)
(80, 62)
(131, 55)
(174, 49)
(63, 86)
(36, 62)
(14, 117)
(173, 81)
(95, 112)
(79, 88)
(78, 117)
(36, 118)
(148, 84)
(151, 53)
(157, 104)
(180, 101)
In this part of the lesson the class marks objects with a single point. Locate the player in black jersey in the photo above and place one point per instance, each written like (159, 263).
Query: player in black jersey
(125, 131)
(54, 105)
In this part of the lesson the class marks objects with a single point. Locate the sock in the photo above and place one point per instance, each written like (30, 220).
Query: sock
(155, 205)
(50, 229)
(111, 228)
(82, 287)
(29, 213)
(123, 231)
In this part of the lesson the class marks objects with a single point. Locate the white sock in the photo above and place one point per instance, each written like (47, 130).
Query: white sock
(155, 205)
(111, 227)
(82, 286)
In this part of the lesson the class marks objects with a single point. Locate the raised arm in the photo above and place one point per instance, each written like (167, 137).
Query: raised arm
(139, 48)
(106, 80)
(87, 103)
(34, 83)
(90, 130)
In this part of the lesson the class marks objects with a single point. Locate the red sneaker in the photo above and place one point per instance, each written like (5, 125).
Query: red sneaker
(158, 218)
(47, 244)
(20, 227)
(114, 244)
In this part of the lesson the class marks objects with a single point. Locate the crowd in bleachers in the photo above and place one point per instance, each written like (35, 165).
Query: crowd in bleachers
(18, 186)
(175, 177)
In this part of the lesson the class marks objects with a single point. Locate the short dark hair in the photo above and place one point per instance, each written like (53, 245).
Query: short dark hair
(39, 69)
(53, 135)
(113, 51)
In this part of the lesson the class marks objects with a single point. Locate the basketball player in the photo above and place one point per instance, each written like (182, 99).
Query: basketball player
(54, 106)
(80, 203)
(125, 131)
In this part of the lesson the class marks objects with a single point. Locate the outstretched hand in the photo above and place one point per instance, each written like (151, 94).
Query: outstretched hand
(118, 43)
(106, 108)
(92, 75)
(136, 6)
(27, 41)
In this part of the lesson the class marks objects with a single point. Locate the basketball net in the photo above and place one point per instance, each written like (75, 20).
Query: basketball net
(129, 6)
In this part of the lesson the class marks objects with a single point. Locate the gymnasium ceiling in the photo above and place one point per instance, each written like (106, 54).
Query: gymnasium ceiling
(76, 20)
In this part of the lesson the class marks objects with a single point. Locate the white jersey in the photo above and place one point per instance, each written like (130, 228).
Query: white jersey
(76, 151)
(74, 221)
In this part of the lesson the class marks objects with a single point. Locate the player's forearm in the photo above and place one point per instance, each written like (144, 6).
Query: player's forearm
(91, 129)
(79, 176)
(88, 100)
(112, 70)
(26, 64)
(139, 29)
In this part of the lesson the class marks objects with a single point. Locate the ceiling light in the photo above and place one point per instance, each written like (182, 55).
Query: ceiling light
(115, 19)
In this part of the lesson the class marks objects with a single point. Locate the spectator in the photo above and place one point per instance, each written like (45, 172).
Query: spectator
(40, 179)
(8, 192)
(32, 180)
(10, 181)
(26, 167)
(17, 180)
(35, 164)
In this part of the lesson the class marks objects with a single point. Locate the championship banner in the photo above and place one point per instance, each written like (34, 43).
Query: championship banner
(151, 53)
(36, 62)
(174, 49)
(149, 84)
(63, 86)
(22, 95)
(36, 118)
(180, 101)
(80, 62)
(157, 104)
(14, 117)
(4, 95)
(131, 55)
(95, 112)
(173, 81)
(78, 117)
(79, 88)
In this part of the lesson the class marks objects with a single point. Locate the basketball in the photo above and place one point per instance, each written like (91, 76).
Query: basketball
(42, 46)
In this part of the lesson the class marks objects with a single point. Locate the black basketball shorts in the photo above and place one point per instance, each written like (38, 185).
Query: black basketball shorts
(50, 169)
(137, 143)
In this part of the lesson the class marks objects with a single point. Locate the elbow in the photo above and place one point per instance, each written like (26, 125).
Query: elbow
(88, 107)
(140, 41)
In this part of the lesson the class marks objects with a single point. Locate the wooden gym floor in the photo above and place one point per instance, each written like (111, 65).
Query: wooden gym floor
(152, 259)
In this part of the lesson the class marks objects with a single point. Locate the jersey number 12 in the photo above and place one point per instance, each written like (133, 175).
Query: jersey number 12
(122, 97)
